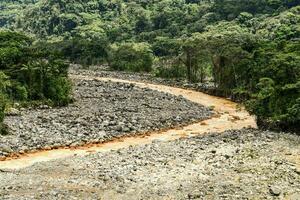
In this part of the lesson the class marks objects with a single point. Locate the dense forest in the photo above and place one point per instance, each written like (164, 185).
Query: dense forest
(30, 75)
(250, 49)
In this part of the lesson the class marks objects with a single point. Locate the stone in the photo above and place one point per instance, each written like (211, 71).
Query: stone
(24, 148)
(101, 112)
(118, 128)
(126, 129)
(44, 107)
(5, 148)
(275, 191)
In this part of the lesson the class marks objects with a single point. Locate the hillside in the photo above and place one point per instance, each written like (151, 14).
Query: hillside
(142, 20)
(10, 10)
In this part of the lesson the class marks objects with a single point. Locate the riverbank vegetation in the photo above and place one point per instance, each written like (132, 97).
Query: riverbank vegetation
(30, 74)
(250, 50)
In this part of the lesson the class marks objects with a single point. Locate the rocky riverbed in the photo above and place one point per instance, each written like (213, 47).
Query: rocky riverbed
(102, 111)
(202, 164)
(245, 164)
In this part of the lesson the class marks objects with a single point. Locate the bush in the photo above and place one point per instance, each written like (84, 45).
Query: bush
(4, 83)
(136, 57)
(176, 71)
(19, 91)
(58, 91)
(275, 97)
(2, 109)
(84, 51)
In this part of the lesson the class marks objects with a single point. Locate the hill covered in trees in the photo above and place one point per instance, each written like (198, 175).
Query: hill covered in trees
(250, 50)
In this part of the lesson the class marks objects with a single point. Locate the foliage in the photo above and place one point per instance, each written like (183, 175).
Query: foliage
(276, 97)
(58, 90)
(231, 9)
(83, 51)
(29, 68)
(2, 99)
(135, 57)
(2, 109)
(4, 83)
(175, 71)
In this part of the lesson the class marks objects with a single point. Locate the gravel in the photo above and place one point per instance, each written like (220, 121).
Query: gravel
(245, 164)
(102, 111)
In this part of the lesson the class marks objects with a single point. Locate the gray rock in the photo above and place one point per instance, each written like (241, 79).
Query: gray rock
(95, 115)
(275, 191)
(125, 129)
(297, 170)
(5, 148)
(179, 169)
(118, 128)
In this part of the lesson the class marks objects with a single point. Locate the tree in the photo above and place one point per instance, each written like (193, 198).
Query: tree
(4, 84)
(276, 98)
(27, 70)
(136, 57)
(225, 44)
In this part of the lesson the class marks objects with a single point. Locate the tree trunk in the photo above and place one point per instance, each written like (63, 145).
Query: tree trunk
(189, 65)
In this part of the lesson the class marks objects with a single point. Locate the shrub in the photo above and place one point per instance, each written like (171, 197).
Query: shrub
(2, 106)
(84, 51)
(2, 109)
(136, 57)
(176, 71)
(58, 90)
(4, 83)
(19, 92)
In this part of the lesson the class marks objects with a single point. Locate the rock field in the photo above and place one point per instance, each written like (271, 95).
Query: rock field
(246, 164)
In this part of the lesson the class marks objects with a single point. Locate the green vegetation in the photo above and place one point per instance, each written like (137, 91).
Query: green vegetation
(135, 57)
(30, 73)
(249, 50)
(276, 96)
(3, 100)
(10, 9)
